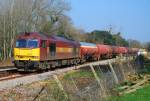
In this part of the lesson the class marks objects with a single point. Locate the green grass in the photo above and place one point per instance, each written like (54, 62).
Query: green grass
(79, 74)
(139, 95)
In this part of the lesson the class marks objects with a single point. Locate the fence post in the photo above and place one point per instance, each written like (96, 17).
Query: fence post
(98, 80)
(60, 85)
(113, 71)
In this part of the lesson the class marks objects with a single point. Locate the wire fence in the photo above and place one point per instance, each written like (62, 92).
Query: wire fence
(100, 87)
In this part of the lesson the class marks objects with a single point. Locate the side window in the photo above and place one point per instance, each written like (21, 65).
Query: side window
(43, 44)
(52, 49)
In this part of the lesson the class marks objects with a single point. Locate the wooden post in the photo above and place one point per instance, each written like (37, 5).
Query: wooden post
(74, 83)
(122, 70)
(60, 85)
(98, 80)
(114, 74)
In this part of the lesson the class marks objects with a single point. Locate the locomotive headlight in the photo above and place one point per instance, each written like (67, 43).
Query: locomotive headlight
(18, 56)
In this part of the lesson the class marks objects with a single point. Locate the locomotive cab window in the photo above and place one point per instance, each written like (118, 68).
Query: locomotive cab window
(52, 49)
(31, 43)
(21, 43)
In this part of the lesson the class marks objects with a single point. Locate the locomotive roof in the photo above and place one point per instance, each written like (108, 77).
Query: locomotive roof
(62, 39)
(87, 44)
(59, 38)
(32, 35)
(44, 36)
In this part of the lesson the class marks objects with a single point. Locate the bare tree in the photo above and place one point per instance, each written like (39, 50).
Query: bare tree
(27, 15)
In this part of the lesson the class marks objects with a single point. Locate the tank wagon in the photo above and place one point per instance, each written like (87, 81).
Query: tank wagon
(117, 50)
(88, 51)
(104, 51)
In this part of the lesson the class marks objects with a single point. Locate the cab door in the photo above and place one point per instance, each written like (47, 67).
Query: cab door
(52, 50)
(43, 50)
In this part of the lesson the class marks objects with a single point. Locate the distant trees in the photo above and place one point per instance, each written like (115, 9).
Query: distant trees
(134, 43)
(105, 37)
(67, 29)
(119, 40)
(100, 37)
(147, 46)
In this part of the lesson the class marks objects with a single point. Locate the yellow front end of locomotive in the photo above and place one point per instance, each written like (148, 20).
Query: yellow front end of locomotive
(27, 54)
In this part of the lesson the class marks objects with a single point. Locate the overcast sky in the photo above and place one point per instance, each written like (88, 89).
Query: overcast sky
(131, 17)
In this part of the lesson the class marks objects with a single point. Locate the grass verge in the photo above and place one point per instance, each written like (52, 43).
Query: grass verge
(140, 95)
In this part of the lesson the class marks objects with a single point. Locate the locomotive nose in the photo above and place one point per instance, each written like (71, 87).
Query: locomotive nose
(27, 54)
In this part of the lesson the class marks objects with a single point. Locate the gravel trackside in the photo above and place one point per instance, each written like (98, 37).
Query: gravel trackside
(32, 78)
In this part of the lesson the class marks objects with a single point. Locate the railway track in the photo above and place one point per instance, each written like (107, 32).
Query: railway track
(4, 76)
(3, 69)
(8, 73)
(12, 76)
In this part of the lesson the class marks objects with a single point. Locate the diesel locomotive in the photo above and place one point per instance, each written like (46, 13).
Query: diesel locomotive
(35, 51)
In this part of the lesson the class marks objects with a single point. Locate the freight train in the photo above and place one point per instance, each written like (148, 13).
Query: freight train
(35, 51)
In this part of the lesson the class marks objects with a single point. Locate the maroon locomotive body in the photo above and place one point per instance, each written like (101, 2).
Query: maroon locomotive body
(38, 51)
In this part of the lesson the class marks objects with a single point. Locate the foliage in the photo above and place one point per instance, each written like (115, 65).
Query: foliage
(105, 37)
(100, 37)
(79, 74)
(134, 43)
(119, 40)
(147, 46)
(139, 95)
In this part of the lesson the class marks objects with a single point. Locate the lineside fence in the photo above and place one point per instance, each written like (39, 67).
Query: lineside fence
(100, 85)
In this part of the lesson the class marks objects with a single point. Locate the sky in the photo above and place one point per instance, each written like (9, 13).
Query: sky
(131, 17)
